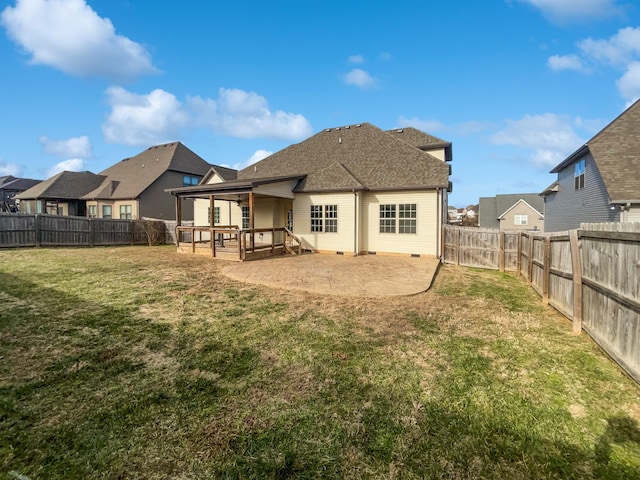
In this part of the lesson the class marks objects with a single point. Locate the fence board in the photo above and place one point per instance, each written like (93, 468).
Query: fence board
(596, 283)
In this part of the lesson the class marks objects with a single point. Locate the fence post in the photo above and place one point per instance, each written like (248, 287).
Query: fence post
(132, 230)
(577, 281)
(37, 226)
(546, 278)
(519, 259)
(458, 232)
(530, 266)
(501, 251)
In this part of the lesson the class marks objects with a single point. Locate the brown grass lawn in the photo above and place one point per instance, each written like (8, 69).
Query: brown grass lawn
(137, 362)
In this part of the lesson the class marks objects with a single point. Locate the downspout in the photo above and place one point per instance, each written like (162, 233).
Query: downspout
(355, 223)
(439, 222)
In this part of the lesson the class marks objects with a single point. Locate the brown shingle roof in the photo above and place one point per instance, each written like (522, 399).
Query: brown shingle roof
(64, 185)
(616, 151)
(418, 138)
(354, 157)
(132, 176)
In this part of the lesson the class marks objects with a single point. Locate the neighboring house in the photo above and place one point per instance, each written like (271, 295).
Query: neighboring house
(599, 182)
(10, 186)
(60, 194)
(519, 211)
(135, 187)
(132, 188)
(354, 189)
(453, 217)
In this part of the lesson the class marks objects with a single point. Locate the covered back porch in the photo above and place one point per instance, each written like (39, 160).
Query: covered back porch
(238, 220)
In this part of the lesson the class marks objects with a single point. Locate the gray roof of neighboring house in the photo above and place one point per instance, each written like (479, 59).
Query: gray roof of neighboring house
(64, 185)
(355, 157)
(492, 208)
(616, 151)
(132, 176)
(9, 182)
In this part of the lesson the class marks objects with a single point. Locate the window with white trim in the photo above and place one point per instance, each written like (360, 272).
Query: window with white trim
(216, 214)
(324, 218)
(93, 211)
(125, 212)
(401, 218)
(387, 218)
(106, 211)
(520, 219)
(245, 217)
(407, 218)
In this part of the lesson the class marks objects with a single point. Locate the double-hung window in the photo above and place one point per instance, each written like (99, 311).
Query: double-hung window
(400, 218)
(93, 211)
(324, 218)
(216, 214)
(125, 212)
(578, 174)
(521, 219)
(190, 181)
(106, 211)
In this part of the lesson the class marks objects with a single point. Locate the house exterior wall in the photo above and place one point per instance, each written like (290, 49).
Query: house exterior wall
(230, 212)
(423, 242)
(535, 221)
(567, 208)
(156, 203)
(438, 153)
(115, 207)
(282, 189)
(343, 239)
(632, 214)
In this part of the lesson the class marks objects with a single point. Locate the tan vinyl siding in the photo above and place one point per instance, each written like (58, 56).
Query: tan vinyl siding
(201, 212)
(535, 221)
(633, 214)
(282, 189)
(438, 153)
(343, 239)
(215, 178)
(134, 208)
(424, 241)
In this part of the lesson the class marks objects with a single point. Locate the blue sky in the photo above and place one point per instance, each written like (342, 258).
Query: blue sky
(516, 85)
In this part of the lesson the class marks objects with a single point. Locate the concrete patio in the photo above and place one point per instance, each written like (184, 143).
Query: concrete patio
(366, 275)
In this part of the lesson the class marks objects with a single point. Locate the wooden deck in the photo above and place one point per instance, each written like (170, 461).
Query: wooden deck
(231, 243)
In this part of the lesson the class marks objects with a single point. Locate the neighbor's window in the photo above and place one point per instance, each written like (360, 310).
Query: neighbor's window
(521, 219)
(106, 211)
(407, 218)
(316, 218)
(93, 211)
(578, 175)
(387, 218)
(189, 181)
(216, 214)
(125, 212)
(245, 217)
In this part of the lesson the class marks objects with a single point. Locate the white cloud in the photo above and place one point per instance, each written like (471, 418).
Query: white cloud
(259, 155)
(77, 147)
(360, 78)
(357, 59)
(71, 165)
(9, 169)
(242, 114)
(428, 126)
(159, 117)
(142, 120)
(629, 83)
(566, 62)
(550, 137)
(618, 50)
(70, 36)
(575, 10)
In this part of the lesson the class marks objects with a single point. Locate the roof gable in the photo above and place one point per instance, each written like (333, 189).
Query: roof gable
(132, 176)
(521, 202)
(616, 152)
(373, 158)
(64, 185)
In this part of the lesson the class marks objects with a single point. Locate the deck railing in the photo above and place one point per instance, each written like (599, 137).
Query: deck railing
(231, 242)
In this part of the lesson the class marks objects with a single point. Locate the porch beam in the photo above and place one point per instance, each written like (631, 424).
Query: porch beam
(212, 202)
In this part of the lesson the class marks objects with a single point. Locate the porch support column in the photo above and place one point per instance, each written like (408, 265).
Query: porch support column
(251, 222)
(211, 210)
(178, 211)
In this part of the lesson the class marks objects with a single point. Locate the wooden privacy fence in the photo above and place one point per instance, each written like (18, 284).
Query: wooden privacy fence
(28, 230)
(590, 275)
